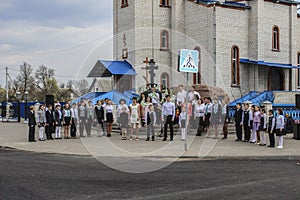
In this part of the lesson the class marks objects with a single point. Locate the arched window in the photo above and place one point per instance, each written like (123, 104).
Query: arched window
(275, 38)
(164, 40)
(298, 64)
(165, 3)
(164, 80)
(197, 76)
(235, 66)
(124, 3)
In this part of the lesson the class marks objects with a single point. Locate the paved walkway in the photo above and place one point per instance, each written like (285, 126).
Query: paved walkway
(14, 135)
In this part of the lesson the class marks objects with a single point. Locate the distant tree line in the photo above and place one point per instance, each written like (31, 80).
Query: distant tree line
(41, 82)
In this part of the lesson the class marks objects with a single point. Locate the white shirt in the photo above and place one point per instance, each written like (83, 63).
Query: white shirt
(169, 109)
(199, 110)
(180, 96)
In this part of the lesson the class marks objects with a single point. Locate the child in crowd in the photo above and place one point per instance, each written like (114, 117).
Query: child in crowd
(150, 120)
(280, 128)
(123, 122)
(256, 124)
(182, 121)
(263, 127)
(271, 128)
(58, 121)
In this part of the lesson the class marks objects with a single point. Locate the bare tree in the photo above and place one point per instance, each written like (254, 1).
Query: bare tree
(81, 86)
(43, 74)
(24, 80)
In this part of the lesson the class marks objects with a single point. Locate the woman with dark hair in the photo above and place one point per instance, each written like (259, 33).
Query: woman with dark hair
(280, 128)
(99, 118)
(225, 118)
(122, 103)
(142, 102)
(198, 116)
(134, 117)
(67, 115)
(41, 122)
(109, 117)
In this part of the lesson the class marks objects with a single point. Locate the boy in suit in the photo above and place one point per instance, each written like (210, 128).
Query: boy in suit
(31, 124)
(238, 119)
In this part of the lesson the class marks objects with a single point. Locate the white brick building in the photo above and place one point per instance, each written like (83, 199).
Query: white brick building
(244, 45)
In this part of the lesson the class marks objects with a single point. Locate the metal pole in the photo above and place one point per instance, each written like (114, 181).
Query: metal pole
(6, 80)
(186, 110)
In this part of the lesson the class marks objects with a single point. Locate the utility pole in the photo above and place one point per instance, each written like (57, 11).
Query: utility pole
(146, 68)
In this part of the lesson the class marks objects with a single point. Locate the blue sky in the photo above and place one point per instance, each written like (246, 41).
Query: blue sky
(58, 33)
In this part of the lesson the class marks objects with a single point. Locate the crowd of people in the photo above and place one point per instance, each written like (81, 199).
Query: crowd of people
(153, 110)
(158, 110)
(257, 124)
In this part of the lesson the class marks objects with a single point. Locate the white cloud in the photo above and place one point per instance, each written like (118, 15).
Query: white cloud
(59, 34)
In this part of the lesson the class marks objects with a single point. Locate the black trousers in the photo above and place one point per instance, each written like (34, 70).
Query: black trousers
(49, 131)
(82, 123)
(200, 125)
(272, 138)
(31, 134)
(246, 132)
(73, 127)
(168, 121)
(239, 131)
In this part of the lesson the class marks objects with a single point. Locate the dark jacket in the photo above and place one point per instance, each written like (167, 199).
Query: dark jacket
(31, 119)
(49, 117)
(246, 117)
(238, 116)
(99, 113)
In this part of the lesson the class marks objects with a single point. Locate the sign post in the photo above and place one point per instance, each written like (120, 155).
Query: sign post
(188, 62)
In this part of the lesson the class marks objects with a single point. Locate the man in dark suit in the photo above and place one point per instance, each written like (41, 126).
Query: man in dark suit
(49, 122)
(238, 119)
(246, 123)
(31, 124)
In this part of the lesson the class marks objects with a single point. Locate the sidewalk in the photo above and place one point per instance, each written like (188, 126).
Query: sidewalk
(14, 135)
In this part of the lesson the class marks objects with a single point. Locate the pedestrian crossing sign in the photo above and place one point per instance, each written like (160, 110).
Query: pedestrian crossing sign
(188, 61)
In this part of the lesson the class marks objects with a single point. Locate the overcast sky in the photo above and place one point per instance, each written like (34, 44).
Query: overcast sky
(58, 33)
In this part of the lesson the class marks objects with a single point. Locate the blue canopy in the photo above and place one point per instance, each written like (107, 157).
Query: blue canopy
(246, 97)
(115, 96)
(269, 64)
(88, 96)
(104, 68)
(264, 96)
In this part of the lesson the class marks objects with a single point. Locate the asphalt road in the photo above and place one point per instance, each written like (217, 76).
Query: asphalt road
(32, 176)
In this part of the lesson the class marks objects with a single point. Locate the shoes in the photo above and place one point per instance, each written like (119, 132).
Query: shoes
(224, 138)
(245, 141)
(257, 143)
(298, 163)
(215, 138)
(82, 136)
(238, 140)
(182, 139)
(108, 135)
(272, 146)
(279, 147)
(152, 138)
(262, 144)
(124, 138)
(198, 134)
(51, 138)
(137, 139)
(99, 135)
(147, 139)
(165, 139)
(32, 141)
(171, 139)
(42, 139)
(252, 142)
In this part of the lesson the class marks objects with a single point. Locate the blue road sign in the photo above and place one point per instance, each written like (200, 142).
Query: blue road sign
(188, 61)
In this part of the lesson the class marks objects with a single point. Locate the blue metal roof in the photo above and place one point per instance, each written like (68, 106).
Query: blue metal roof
(104, 68)
(118, 67)
(115, 96)
(269, 64)
(247, 97)
(88, 96)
